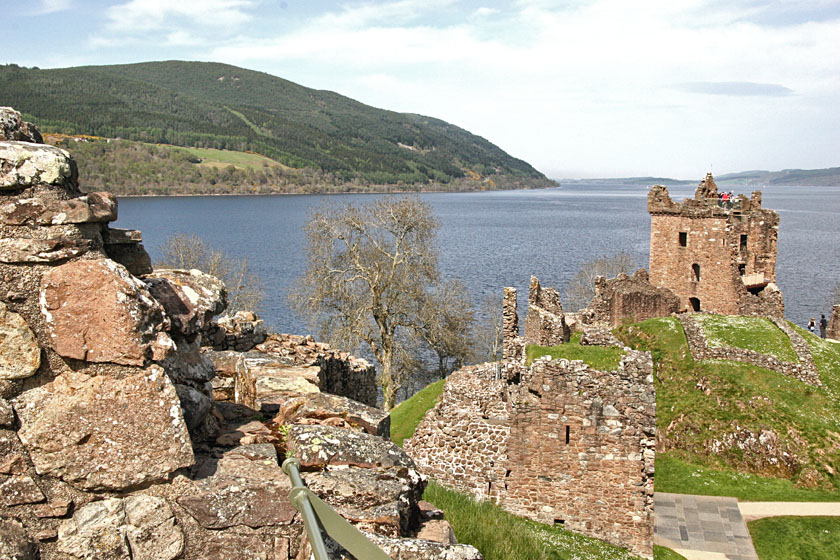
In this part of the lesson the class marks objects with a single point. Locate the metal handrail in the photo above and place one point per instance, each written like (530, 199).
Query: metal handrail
(318, 516)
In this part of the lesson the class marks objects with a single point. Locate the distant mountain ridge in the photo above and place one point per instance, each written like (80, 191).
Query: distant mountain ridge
(758, 178)
(213, 105)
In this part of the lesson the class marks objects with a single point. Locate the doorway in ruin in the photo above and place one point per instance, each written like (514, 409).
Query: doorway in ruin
(695, 303)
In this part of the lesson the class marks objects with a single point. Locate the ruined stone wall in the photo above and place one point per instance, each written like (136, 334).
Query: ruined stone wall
(545, 323)
(733, 250)
(630, 298)
(462, 442)
(581, 449)
(833, 329)
(239, 332)
(504, 437)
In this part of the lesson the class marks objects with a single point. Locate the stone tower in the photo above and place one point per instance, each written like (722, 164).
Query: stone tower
(716, 256)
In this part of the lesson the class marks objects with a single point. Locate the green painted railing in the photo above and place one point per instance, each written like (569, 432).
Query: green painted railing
(318, 516)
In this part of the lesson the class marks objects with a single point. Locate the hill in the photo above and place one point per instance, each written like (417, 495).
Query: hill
(212, 105)
(735, 429)
(792, 177)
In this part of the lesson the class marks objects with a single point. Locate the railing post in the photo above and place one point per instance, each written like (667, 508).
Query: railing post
(318, 515)
(300, 503)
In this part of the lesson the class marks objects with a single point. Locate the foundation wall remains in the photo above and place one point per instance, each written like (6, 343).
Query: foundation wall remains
(716, 257)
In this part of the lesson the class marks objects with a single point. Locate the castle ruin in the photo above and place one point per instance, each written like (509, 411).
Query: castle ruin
(555, 441)
(716, 256)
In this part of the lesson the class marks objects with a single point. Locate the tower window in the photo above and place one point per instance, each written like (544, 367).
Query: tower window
(683, 238)
(743, 242)
(695, 272)
(568, 433)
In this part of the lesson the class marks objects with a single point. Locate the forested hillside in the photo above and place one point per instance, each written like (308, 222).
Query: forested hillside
(213, 105)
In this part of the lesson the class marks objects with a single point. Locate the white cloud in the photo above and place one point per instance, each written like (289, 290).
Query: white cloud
(51, 6)
(145, 15)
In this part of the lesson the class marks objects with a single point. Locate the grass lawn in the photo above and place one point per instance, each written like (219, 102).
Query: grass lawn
(751, 333)
(662, 553)
(499, 535)
(602, 358)
(674, 475)
(407, 415)
(796, 538)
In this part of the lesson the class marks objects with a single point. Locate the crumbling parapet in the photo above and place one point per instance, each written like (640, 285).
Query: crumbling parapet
(545, 323)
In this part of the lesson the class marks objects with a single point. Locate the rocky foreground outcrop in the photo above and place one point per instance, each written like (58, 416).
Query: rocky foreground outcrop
(121, 437)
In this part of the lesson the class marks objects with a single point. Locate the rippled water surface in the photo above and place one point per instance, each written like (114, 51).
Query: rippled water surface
(496, 239)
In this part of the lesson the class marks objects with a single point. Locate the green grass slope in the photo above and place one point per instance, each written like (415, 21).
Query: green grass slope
(203, 104)
(729, 428)
(796, 538)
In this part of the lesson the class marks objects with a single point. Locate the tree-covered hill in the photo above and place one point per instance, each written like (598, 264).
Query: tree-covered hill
(212, 105)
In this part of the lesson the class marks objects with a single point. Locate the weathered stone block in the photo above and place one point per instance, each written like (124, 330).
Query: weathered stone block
(20, 355)
(102, 433)
(318, 446)
(191, 298)
(136, 528)
(14, 544)
(96, 311)
(15, 250)
(23, 164)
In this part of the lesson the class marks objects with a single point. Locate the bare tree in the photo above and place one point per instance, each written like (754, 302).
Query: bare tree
(581, 288)
(446, 326)
(371, 272)
(488, 329)
(245, 289)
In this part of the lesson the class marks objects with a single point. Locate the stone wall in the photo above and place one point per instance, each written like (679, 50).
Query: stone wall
(833, 329)
(545, 323)
(557, 442)
(240, 332)
(715, 258)
(630, 299)
(111, 444)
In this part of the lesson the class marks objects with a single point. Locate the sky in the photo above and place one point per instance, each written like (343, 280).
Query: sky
(577, 88)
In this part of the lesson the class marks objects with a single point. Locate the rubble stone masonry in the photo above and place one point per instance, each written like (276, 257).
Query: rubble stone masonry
(715, 257)
(557, 442)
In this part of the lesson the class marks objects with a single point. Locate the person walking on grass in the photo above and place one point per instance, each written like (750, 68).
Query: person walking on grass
(812, 326)
(823, 325)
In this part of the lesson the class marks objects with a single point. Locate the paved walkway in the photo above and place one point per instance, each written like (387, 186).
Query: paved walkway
(715, 528)
(709, 525)
(757, 510)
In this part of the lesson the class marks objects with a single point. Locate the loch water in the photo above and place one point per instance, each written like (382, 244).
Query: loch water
(494, 239)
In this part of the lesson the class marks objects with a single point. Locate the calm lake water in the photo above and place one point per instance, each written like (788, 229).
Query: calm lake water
(496, 239)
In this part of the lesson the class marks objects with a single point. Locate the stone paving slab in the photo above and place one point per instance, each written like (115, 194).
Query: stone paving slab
(702, 524)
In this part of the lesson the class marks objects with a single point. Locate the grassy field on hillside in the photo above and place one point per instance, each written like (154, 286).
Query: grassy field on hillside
(222, 158)
(502, 536)
(796, 538)
(407, 415)
(732, 417)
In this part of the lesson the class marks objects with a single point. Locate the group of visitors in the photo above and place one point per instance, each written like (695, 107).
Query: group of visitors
(726, 199)
(812, 326)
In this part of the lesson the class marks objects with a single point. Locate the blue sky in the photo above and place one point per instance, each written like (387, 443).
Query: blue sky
(578, 88)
